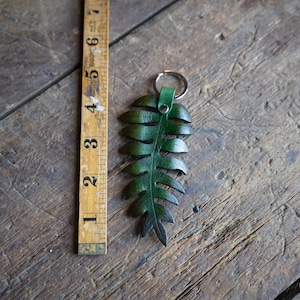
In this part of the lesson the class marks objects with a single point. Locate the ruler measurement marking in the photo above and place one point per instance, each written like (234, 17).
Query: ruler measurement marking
(92, 223)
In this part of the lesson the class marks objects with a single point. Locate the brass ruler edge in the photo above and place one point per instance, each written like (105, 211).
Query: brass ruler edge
(92, 248)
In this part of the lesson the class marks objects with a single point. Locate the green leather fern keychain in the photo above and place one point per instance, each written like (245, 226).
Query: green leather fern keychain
(155, 124)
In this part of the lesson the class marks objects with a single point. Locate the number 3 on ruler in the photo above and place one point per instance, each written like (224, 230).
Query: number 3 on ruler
(92, 142)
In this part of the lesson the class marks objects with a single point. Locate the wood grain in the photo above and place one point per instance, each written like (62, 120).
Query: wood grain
(129, 14)
(40, 44)
(242, 63)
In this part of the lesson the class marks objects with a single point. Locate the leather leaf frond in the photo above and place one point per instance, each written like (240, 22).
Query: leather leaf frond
(154, 127)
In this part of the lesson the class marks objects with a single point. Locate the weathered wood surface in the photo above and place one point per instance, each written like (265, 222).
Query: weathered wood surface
(242, 63)
(126, 15)
(40, 43)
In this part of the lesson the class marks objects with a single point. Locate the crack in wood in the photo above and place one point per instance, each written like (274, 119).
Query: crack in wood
(247, 47)
(233, 252)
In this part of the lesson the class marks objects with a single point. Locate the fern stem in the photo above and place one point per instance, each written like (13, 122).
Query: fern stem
(157, 150)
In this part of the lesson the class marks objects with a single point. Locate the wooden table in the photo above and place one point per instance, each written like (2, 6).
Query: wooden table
(242, 62)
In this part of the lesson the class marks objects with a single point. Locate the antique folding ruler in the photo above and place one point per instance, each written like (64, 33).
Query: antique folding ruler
(92, 223)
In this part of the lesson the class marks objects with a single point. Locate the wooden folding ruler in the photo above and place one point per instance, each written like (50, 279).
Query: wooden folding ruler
(92, 223)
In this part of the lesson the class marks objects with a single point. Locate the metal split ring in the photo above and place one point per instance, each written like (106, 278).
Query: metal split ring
(176, 75)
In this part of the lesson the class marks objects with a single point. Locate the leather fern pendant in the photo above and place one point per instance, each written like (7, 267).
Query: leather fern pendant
(153, 130)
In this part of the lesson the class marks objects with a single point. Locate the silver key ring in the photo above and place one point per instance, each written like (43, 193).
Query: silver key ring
(176, 75)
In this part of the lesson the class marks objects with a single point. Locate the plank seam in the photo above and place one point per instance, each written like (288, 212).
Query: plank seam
(78, 64)
(129, 31)
(40, 90)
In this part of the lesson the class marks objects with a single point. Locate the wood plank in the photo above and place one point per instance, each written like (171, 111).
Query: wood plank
(128, 14)
(40, 43)
(241, 62)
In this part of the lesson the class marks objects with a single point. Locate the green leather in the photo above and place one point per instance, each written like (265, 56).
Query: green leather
(152, 124)
(166, 99)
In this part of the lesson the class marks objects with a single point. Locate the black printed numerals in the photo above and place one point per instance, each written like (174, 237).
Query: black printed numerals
(91, 74)
(87, 180)
(92, 41)
(90, 143)
(94, 219)
(91, 107)
(93, 11)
